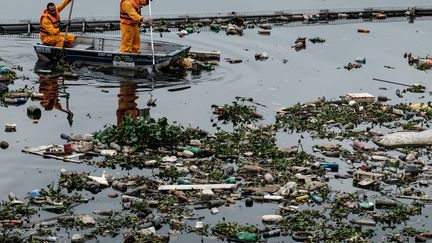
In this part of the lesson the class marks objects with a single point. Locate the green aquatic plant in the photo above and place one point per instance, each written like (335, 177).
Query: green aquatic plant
(237, 113)
(9, 210)
(228, 229)
(143, 132)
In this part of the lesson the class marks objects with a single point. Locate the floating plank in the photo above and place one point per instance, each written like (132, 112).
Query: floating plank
(363, 222)
(361, 97)
(205, 55)
(196, 187)
(39, 150)
(415, 197)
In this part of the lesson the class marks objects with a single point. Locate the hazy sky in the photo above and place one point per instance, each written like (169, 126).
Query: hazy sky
(88, 8)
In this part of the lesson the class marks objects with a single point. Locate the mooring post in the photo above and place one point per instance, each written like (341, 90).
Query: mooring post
(28, 28)
(83, 26)
(412, 15)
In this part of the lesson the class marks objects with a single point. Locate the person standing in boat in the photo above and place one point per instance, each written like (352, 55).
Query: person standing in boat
(50, 26)
(130, 19)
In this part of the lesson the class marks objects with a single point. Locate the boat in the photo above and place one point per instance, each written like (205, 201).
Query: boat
(104, 52)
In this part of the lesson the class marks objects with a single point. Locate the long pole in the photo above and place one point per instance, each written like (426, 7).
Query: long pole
(68, 23)
(391, 82)
(151, 37)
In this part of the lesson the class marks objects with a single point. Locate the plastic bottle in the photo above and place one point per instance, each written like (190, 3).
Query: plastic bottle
(215, 27)
(115, 146)
(367, 206)
(216, 203)
(65, 136)
(157, 221)
(317, 198)
(194, 150)
(17, 101)
(384, 203)
(332, 166)
(246, 236)
(54, 208)
(273, 198)
(183, 181)
(230, 180)
(189, 30)
(361, 60)
(363, 30)
(272, 233)
(102, 134)
(302, 198)
(120, 186)
(105, 212)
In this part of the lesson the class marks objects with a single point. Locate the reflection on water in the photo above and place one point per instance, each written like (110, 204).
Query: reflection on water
(126, 101)
(132, 82)
(53, 89)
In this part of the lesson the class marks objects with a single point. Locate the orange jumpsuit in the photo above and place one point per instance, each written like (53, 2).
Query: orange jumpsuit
(50, 28)
(130, 17)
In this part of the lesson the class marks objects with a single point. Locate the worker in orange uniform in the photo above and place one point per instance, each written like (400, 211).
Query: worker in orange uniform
(50, 26)
(130, 19)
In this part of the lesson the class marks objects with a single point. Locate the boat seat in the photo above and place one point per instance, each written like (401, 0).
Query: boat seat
(82, 47)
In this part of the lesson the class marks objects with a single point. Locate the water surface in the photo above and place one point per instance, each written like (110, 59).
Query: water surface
(96, 99)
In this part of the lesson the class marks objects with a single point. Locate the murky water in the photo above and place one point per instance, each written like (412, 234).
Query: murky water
(85, 105)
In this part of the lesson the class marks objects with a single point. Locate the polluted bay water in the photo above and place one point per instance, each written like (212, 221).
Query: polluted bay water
(287, 77)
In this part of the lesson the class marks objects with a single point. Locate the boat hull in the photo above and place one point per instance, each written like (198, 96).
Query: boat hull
(101, 52)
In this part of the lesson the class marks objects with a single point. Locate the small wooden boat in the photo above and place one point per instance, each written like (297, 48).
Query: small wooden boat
(104, 52)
